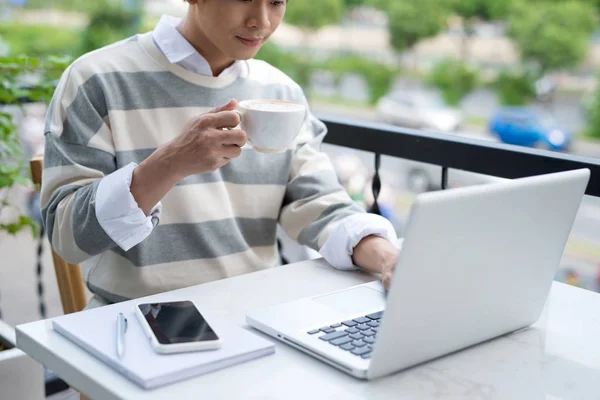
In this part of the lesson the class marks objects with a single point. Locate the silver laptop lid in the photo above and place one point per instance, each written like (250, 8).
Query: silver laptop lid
(477, 262)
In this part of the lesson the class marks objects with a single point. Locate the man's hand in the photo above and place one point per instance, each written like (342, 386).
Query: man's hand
(376, 254)
(203, 146)
(207, 142)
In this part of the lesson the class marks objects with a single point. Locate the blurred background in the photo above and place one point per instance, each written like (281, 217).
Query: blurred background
(515, 71)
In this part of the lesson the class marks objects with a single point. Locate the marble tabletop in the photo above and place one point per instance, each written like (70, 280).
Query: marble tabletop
(557, 358)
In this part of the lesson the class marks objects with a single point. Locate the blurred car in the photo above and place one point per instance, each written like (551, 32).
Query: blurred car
(523, 126)
(420, 177)
(354, 169)
(419, 109)
(545, 88)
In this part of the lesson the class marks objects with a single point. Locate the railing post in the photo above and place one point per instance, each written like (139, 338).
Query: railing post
(444, 178)
(376, 186)
(40, 281)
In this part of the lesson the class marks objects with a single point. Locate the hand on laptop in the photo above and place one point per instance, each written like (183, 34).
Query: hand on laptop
(376, 254)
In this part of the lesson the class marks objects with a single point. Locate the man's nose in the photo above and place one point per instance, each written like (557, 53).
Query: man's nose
(260, 17)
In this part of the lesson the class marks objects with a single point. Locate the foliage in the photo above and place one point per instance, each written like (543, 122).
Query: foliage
(379, 77)
(380, 4)
(314, 15)
(594, 113)
(109, 24)
(474, 11)
(515, 88)
(354, 3)
(552, 34)
(311, 16)
(39, 40)
(13, 167)
(480, 9)
(109, 21)
(411, 21)
(455, 79)
(287, 62)
(71, 5)
(83, 6)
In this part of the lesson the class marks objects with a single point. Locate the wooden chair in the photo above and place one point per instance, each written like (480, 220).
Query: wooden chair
(68, 276)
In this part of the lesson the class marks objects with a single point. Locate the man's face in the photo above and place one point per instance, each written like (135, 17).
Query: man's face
(238, 28)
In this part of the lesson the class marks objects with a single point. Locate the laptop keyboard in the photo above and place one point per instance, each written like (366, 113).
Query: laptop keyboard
(356, 336)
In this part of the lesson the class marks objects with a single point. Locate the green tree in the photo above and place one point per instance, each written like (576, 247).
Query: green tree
(379, 77)
(515, 88)
(474, 11)
(411, 21)
(594, 112)
(355, 3)
(109, 23)
(39, 40)
(314, 15)
(552, 34)
(486, 10)
(71, 5)
(82, 6)
(283, 60)
(381, 4)
(310, 17)
(455, 80)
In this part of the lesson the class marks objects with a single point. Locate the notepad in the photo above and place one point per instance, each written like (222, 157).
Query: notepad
(95, 332)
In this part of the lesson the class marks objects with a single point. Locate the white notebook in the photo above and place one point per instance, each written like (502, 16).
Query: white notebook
(95, 331)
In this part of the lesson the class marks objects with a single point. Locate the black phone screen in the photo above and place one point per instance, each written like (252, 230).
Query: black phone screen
(177, 322)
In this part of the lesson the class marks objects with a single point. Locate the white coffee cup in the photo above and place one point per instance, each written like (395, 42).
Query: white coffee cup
(271, 125)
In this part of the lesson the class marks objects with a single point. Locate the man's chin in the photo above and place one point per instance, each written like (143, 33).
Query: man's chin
(241, 52)
(245, 55)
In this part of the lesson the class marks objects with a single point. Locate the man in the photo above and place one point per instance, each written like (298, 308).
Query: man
(140, 131)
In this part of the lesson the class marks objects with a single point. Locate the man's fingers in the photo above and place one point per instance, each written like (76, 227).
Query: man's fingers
(386, 277)
(231, 151)
(225, 119)
(235, 137)
(222, 162)
(229, 106)
(387, 280)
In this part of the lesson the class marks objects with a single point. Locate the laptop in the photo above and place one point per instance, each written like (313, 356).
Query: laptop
(477, 262)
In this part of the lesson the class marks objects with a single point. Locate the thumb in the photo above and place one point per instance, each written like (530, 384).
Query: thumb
(229, 106)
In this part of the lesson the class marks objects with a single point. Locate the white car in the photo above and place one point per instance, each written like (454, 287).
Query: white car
(419, 109)
(355, 168)
(421, 177)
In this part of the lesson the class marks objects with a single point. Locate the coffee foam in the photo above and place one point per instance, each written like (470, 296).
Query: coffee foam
(274, 106)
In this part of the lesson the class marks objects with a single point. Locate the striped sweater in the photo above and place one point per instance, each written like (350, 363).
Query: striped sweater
(118, 104)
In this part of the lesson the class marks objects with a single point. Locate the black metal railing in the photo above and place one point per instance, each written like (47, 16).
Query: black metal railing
(451, 151)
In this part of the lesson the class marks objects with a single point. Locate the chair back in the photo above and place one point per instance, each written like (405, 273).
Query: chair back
(68, 276)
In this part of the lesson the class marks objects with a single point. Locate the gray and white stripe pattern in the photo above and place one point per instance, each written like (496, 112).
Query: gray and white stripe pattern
(116, 106)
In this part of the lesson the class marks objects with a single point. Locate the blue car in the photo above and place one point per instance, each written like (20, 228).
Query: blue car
(523, 126)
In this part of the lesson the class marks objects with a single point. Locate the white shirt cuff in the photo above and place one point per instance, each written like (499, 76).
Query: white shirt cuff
(339, 246)
(119, 214)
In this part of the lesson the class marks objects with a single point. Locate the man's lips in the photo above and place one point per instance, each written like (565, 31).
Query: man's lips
(251, 42)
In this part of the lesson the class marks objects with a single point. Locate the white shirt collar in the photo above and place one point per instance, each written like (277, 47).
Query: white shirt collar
(179, 51)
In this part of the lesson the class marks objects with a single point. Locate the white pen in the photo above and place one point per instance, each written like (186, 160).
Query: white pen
(121, 329)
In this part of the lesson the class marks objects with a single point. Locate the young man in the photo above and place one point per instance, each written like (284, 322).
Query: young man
(136, 133)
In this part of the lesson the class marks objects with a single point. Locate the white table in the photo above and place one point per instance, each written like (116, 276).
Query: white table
(558, 358)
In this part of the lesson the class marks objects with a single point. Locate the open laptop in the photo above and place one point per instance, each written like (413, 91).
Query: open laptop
(477, 263)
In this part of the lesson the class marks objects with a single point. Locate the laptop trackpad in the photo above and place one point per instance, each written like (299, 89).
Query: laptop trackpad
(354, 301)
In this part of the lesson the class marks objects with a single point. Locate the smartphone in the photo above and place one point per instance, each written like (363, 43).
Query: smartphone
(176, 327)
